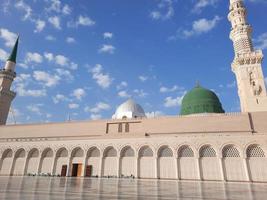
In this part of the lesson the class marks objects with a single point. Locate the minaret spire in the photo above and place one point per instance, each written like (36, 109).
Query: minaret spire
(247, 64)
(13, 55)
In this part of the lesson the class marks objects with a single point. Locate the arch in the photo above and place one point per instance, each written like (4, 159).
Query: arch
(110, 152)
(127, 151)
(185, 151)
(6, 162)
(230, 151)
(77, 161)
(187, 163)
(93, 152)
(166, 163)
(207, 151)
(254, 150)
(61, 162)
(127, 161)
(147, 163)
(77, 152)
(145, 151)
(233, 164)
(209, 164)
(256, 162)
(32, 160)
(110, 161)
(19, 162)
(93, 162)
(46, 161)
(165, 151)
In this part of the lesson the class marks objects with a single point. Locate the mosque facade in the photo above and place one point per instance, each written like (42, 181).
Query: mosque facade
(203, 143)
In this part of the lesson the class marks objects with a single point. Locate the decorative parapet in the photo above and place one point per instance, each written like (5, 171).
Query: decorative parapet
(254, 57)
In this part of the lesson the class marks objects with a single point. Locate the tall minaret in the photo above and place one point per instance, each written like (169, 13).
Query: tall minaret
(247, 64)
(7, 76)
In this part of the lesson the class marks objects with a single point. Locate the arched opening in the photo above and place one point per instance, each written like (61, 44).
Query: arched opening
(257, 163)
(93, 159)
(110, 162)
(32, 162)
(187, 163)
(209, 163)
(6, 162)
(166, 163)
(233, 164)
(19, 163)
(61, 162)
(77, 158)
(46, 161)
(127, 161)
(146, 163)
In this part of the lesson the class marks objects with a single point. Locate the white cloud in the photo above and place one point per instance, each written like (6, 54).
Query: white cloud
(261, 41)
(202, 26)
(48, 79)
(123, 94)
(50, 38)
(100, 106)
(73, 106)
(70, 40)
(78, 93)
(154, 114)
(33, 58)
(81, 21)
(49, 56)
(56, 6)
(140, 93)
(60, 60)
(95, 116)
(3, 55)
(40, 25)
(55, 21)
(59, 98)
(21, 5)
(21, 91)
(164, 10)
(172, 89)
(8, 36)
(201, 4)
(108, 35)
(35, 108)
(173, 102)
(143, 78)
(123, 84)
(106, 48)
(66, 10)
(63, 73)
(103, 80)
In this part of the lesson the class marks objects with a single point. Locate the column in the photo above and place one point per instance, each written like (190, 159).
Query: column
(156, 167)
(84, 165)
(69, 167)
(223, 175)
(248, 177)
(39, 163)
(26, 163)
(118, 166)
(12, 164)
(136, 167)
(200, 176)
(100, 167)
(176, 167)
(53, 163)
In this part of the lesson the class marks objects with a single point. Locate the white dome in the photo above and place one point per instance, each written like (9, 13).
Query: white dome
(129, 109)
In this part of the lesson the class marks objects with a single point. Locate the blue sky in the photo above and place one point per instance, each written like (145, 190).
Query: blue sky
(84, 58)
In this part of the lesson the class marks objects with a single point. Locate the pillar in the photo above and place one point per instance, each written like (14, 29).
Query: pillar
(200, 176)
(26, 163)
(136, 167)
(156, 167)
(223, 175)
(118, 166)
(69, 167)
(53, 163)
(248, 176)
(84, 165)
(176, 168)
(100, 172)
(12, 164)
(39, 162)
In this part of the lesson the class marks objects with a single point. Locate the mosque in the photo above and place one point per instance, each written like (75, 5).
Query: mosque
(202, 143)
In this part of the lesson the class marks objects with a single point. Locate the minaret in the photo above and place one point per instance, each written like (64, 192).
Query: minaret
(247, 64)
(7, 75)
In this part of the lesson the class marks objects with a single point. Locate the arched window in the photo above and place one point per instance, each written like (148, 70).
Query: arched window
(94, 152)
(255, 151)
(207, 151)
(230, 151)
(110, 152)
(185, 151)
(127, 128)
(120, 128)
(127, 152)
(165, 152)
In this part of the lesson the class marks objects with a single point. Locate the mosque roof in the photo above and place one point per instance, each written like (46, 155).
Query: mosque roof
(201, 100)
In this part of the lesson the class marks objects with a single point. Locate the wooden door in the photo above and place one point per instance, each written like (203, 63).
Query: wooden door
(64, 170)
(79, 170)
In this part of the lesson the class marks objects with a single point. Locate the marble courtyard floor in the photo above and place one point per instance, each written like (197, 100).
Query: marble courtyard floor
(27, 188)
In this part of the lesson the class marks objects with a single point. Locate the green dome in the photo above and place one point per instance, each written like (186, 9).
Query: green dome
(201, 100)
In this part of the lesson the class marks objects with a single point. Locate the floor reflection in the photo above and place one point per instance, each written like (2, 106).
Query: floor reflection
(27, 188)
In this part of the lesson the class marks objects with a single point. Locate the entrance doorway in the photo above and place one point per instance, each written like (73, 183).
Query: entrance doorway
(88, 171)
(64, 170)
(76, 170)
